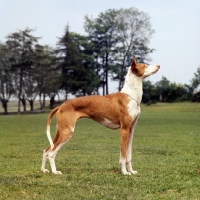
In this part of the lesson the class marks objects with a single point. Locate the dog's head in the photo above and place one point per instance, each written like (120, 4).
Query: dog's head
(142, 70)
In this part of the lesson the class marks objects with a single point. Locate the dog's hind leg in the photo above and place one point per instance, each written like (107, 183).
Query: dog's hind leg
(65, 129)
(52, 155)
(63, 135)
(44, 160)
(45, 155)
(60, 139)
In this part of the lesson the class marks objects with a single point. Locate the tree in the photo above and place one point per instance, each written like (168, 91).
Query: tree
(30, 86)
(85, 77)
(68, 57)
(134, 30)
(48, 79)
(173, 92)
(195, 84)
(196, 80)
(102, 32)
(75, 58)
(117, 36)
(21, 44)
(176, 92)
(188, 92)
(6, 77)
(163, 88)
(52, 85)
(150, 93)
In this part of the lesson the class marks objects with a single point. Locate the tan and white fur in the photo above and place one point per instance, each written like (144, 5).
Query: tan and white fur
(119, 110)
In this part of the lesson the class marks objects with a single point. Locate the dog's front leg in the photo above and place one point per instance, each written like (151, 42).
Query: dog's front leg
(123, 150)
(129, 149)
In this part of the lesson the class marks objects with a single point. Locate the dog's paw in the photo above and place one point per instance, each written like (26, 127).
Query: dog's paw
(133, 172)
(45, 170)
(126, 173)
(57, 172)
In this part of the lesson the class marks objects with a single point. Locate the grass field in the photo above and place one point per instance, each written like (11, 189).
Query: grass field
(166, 153)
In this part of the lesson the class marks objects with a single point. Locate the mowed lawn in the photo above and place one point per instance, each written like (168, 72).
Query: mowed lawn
(166, 153)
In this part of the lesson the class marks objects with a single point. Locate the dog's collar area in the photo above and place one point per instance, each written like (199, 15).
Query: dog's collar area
(138, 104)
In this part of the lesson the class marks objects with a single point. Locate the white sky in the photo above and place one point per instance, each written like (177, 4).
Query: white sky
(176, 24)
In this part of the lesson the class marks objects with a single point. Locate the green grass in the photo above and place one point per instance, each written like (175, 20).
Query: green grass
(166, 153)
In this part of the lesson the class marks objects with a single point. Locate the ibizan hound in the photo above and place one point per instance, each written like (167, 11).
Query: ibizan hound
(119, 110)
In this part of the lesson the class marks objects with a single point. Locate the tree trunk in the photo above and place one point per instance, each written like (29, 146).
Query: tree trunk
(121, 83)
(52, 100)
(5, 106)
(43, 104)
(107, 82)
(107, 54)
(18, 106)
(40, 100)
(103, 83)
(31, 102)
(23, 100)
(20, 88)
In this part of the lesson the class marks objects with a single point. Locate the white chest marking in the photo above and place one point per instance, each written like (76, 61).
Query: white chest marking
(109, 124)
(133, 109)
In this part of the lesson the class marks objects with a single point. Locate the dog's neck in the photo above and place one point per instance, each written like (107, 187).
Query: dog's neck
(133, 87)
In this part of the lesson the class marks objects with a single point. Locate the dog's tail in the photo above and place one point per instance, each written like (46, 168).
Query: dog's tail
(48, 125)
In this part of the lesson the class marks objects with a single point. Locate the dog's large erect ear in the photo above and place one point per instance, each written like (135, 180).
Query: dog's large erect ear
(133, 65)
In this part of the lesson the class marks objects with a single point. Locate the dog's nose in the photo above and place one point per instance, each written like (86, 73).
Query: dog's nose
(158, 66)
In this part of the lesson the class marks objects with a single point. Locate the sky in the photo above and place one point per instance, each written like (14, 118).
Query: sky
(176, 23)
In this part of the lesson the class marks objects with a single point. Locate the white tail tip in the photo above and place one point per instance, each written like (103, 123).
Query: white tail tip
(49, 137)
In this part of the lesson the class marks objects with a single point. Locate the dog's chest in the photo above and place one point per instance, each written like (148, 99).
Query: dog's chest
(133, 109)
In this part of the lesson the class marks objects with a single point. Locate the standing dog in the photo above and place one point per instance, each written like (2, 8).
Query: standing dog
(119, 110)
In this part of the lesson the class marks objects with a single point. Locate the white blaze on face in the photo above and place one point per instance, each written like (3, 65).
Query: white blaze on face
(151, 69)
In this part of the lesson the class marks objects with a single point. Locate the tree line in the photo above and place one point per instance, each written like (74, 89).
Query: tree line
(83, 64)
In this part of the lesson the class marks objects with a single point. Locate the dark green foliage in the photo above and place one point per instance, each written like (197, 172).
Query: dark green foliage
(150, 93)
(76, 60)
(196, 97)
(6, 77)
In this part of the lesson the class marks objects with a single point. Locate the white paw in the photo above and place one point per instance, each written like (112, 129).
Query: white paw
(126, 173)
(133, 172)
(57, 172)
(45, 170)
